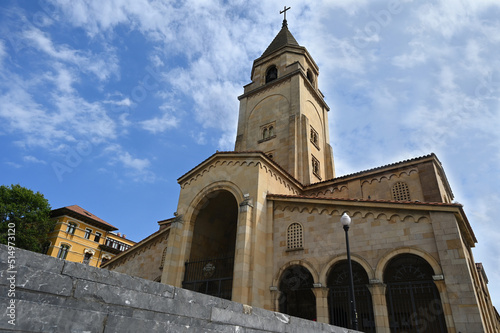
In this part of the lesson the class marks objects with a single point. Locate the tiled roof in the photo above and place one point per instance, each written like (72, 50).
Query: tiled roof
(287, 196)
(283, 38)
(82, 214)
(379, 168)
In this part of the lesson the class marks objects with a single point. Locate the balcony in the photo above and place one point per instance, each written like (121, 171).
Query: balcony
(114, 246)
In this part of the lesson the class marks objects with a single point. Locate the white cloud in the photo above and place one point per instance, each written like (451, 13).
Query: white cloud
(160, 124)
(122, 102)
(3, 53)
(103, 66)
(33, 159)
(133, 163)
(136, 168)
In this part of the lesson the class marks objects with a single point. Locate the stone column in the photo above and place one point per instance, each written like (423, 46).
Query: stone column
(380, 312)
(321, 294)
(242, 256)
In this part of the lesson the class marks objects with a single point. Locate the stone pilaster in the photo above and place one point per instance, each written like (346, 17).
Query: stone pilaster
(243, 254)
(380, 312)
(321, 294)
(445, 303)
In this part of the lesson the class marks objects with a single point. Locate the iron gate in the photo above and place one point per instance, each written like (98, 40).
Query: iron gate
(210, 276)
(415, 307)
(340, 307)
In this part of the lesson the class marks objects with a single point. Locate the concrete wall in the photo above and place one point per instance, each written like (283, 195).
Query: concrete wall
(53, 295)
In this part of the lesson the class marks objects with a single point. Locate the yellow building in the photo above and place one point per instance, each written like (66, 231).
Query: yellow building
(82, 237)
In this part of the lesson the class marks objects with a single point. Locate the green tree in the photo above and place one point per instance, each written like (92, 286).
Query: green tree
(28, 213)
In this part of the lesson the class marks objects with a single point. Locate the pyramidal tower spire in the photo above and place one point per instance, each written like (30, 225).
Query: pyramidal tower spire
(283, 113)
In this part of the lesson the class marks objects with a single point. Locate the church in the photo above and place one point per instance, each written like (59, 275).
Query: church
(261, 225)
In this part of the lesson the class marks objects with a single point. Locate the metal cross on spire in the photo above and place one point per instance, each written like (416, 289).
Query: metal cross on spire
(284, 12)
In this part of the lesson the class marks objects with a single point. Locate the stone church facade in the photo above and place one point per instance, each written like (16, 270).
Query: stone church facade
(261, 225)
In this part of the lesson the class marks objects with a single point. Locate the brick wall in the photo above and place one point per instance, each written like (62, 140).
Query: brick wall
(53, 295)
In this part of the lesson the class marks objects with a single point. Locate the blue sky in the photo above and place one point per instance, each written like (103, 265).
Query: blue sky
(104, 104)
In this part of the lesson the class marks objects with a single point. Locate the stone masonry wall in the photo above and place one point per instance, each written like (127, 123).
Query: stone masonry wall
(39, 293)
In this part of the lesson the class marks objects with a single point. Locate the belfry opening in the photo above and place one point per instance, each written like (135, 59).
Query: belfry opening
(209, 269)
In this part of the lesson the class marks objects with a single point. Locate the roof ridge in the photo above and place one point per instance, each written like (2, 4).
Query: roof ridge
(428, 203)
(377, 168)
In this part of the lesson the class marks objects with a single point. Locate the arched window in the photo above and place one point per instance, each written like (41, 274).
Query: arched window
(338, 298)
(71, 228)
(63, 251)
(413, 301)
(401, 192)
(294, 236)
(310, 76)
(267, 131)
(297, 298)
(271, 74)
(86, 258)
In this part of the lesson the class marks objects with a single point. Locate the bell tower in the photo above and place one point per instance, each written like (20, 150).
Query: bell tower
(283, 113)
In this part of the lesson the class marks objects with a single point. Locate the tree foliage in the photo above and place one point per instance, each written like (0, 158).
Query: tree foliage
(29, 213)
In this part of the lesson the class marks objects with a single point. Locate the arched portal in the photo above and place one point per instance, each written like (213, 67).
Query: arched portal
(338, 298)
(413, 301)
(211, 261)
(297, 298)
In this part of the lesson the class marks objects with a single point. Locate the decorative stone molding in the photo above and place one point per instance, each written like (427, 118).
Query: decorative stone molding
(323, 209)
(389, 176)
(241, 163)
(89, 251)
(245, 204)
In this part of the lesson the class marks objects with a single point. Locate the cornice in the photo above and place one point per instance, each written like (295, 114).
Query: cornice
(362, 212)
(386, 204)
(378, 172)
(239, 159)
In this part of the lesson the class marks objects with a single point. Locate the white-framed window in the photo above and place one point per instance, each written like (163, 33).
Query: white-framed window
(88, 232)
(97, 237)
(86, 258)
(63, 251)
(71, 228)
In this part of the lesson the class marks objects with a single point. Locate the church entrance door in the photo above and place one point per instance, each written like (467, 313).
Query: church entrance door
(211, 261)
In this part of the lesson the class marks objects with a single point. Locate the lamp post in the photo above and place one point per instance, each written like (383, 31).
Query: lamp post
(346, 221)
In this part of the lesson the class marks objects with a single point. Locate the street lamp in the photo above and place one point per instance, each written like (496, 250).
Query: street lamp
(346, 221)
